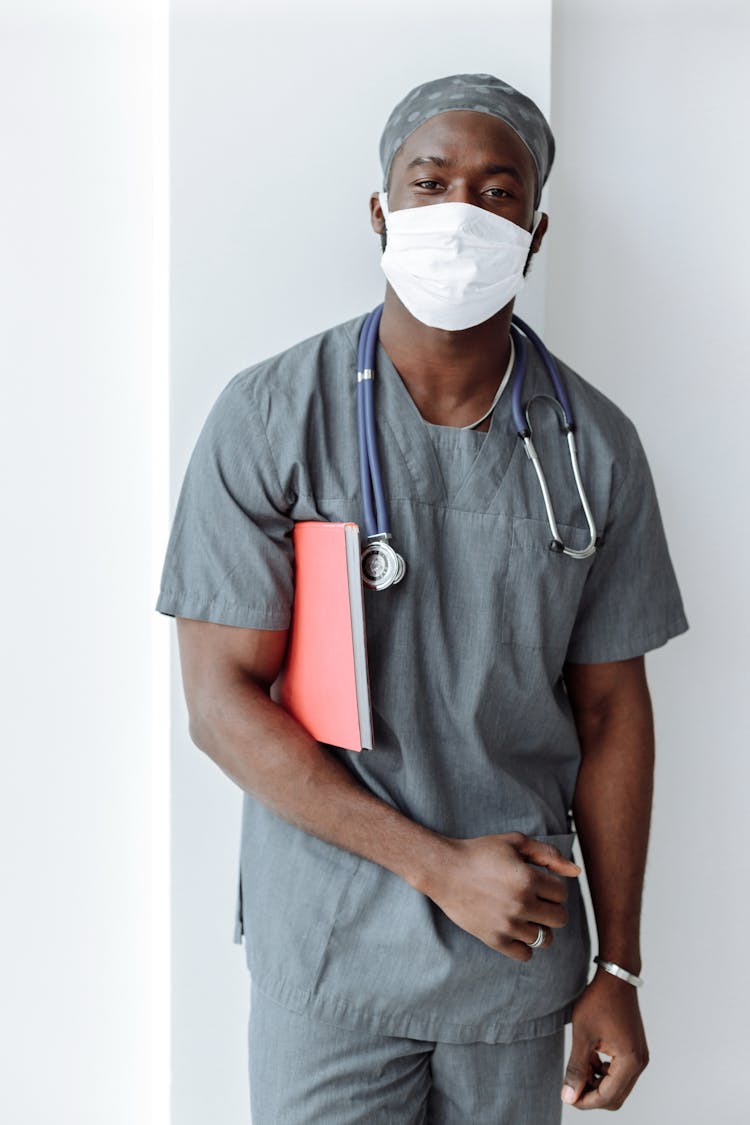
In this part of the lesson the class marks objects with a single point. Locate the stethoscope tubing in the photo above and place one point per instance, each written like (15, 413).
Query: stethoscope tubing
(373, 496)
(523, 427)
(551, 368)
(374, 505)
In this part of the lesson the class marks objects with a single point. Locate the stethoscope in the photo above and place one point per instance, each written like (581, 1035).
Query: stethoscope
(382, 566)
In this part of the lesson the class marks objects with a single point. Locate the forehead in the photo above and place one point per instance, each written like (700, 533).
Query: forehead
(466, 139)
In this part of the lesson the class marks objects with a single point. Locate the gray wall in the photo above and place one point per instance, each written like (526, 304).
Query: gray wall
(648, 291)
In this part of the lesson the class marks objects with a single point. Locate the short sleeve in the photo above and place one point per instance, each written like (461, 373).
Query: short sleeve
(631, 602)
(229, 555)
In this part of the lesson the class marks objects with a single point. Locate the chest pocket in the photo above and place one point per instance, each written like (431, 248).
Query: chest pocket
(543, 588)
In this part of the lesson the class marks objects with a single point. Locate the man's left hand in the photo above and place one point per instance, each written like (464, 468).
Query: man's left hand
(606, 1018)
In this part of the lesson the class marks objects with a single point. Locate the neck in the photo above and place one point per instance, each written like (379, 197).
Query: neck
(451, 376)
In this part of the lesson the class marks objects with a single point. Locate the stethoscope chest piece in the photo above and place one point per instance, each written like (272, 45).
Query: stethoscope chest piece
(381, 565)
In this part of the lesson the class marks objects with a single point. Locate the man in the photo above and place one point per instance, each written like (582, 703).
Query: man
(412, 916)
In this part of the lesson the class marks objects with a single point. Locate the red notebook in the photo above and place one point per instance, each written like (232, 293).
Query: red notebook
(324, 682)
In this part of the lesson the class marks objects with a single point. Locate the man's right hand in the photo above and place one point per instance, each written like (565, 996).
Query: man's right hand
(487, 886)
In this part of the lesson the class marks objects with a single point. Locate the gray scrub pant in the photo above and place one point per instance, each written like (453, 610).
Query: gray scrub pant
(303, 1072)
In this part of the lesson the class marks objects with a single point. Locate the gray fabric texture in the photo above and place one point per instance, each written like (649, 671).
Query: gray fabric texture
(455, 451)
(482, 93)
(474, 733)
(305, 1072)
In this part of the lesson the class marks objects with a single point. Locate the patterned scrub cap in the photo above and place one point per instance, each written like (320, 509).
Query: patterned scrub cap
(482, 93)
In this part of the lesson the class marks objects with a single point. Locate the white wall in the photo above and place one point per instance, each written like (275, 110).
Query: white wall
(83, 937)
(648, 290)
(276, 118)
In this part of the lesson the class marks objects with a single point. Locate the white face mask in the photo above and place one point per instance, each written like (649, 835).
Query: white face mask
(454, 265)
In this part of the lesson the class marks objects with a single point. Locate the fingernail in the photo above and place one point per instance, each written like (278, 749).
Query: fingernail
(568, 1094)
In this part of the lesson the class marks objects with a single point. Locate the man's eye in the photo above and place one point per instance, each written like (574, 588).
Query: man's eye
(427, 183)
(498, 193)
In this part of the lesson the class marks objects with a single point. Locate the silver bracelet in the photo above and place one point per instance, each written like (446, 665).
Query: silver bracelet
(618, 971)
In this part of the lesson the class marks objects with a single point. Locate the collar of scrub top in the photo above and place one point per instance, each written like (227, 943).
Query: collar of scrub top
(381, 565)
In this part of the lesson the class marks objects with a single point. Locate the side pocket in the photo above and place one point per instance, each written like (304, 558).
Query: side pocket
(324, 931)
(291, 904)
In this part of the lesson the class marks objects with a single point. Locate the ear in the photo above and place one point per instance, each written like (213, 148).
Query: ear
(377, 221)
(539, 234)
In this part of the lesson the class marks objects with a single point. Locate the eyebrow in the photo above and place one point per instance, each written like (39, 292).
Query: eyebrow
(489, 169)
(427, 160)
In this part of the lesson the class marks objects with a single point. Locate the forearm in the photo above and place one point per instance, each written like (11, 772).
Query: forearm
(269, 755)
(612, 810)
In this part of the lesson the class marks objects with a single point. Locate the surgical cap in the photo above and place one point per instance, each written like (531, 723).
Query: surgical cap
(482, 93)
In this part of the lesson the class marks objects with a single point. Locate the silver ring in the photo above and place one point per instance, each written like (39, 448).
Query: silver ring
(539, 940)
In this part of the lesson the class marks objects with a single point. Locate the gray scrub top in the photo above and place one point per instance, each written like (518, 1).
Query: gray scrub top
(474, 733)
